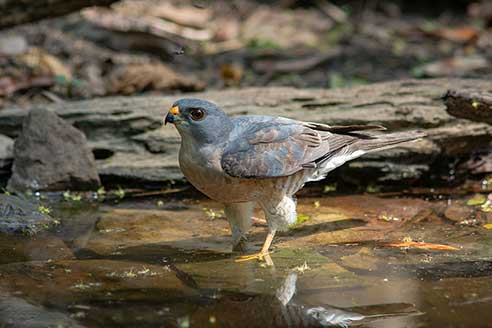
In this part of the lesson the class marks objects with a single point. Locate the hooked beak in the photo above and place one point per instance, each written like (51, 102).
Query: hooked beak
(170, 116)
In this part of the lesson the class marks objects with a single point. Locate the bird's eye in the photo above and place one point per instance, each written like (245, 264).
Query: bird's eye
(197, 114)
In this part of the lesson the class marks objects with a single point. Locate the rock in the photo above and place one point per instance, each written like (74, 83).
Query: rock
(50, 154)
(16, 312)
(458, 212)
(81, 281)
(18, 215)
(127, 231)
(364, 259)
(43, 248)
(132, 147)
(11, 45)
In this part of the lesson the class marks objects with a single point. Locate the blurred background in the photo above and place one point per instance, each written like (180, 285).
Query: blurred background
(54, 51)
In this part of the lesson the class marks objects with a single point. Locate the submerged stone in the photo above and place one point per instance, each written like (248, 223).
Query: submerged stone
(16, 312)
(19, 215)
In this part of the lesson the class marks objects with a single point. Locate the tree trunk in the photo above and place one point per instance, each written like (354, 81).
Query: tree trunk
(16, 12)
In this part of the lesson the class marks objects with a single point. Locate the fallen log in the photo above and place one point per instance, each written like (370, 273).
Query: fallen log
(133, 148)
(15, 12)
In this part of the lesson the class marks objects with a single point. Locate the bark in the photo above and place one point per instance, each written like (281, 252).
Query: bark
(133, 148)
(474, 105)
(16, 12)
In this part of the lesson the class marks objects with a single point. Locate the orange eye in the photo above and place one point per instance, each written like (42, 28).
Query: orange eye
(197, 114)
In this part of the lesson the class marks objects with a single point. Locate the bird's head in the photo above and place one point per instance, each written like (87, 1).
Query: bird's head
(199, 119)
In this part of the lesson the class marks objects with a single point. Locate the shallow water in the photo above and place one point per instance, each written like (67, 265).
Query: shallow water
(168, 264)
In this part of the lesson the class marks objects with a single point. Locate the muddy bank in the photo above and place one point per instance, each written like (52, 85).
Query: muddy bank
(131, 146)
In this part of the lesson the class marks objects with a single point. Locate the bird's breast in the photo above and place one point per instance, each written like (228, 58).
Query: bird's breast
(203, 170)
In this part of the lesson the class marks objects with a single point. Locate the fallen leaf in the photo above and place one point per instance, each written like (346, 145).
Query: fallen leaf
(463, 34)
(488, 226)
(423, 245)
(454, 66)
(300, 219)
(478, 199)
(231, 74)
(46, 64)
(150, 76)
(486, 207)
(285, 28)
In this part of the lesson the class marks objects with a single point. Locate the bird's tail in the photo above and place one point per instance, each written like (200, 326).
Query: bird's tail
(386, 141)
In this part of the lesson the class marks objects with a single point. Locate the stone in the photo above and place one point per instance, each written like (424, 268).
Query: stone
(18, 215)
(364, 259)
(50, 154)
(458, 212)
(16, 312)
(69, 281)
(12, 45)
(128, 230)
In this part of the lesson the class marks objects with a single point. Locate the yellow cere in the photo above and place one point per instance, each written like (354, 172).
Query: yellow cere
(174, 110)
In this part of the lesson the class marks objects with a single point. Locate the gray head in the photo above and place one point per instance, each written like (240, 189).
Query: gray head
(199, 119)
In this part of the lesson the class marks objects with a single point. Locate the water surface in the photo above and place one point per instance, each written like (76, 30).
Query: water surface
(167, 263)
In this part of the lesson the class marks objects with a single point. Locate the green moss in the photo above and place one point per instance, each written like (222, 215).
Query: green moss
(44, 210)
(258, 43)
(120, 193)
(330, 188)
(74, 197)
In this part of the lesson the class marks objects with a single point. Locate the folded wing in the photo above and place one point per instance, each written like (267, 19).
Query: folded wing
(267, 147)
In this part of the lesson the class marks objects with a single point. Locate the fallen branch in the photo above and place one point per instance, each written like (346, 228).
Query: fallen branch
(151, 25)
(294, 65)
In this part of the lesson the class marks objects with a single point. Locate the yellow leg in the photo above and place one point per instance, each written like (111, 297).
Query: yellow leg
(263, 254)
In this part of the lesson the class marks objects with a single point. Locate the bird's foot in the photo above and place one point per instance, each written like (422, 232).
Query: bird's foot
(258, 256)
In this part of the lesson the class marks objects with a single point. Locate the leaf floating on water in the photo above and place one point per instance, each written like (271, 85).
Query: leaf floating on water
(478, 199)
(423, 245)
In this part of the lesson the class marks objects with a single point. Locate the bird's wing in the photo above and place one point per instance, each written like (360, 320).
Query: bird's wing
(266, 147)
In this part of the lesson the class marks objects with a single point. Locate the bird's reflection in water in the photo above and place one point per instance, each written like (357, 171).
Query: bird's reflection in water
(222, 308)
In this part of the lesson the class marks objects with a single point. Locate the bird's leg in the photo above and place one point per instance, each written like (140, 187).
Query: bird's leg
(239, 217)
(280, 211)
(264, 253)
(239, 243)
